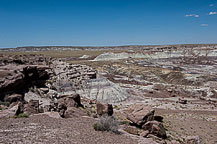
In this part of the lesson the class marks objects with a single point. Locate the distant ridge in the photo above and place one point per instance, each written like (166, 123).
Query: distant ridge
(134, 47)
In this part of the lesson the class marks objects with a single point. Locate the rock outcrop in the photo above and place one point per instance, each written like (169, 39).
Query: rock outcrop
(70, 77)
(21, 78)
(28, 78)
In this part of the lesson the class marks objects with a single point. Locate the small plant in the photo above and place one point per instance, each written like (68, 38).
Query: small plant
(22, 115)
(116, 107)
(31, 89)
(4, 103)
(124, 122)
(107, 123)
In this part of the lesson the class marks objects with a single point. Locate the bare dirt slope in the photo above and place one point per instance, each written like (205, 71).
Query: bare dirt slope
(44, 129)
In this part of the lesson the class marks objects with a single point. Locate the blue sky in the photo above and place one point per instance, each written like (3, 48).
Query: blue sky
(107, 22)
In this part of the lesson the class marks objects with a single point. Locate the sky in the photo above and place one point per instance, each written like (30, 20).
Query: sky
(106, 22)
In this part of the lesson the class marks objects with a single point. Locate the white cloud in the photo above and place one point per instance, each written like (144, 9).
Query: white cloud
(204, 25)
(212, 13)
(211, 5)
(192, 15)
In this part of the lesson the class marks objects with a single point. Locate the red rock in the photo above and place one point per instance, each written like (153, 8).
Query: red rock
(140, 114)
(70, 101)
(102, 109)
(156, 128)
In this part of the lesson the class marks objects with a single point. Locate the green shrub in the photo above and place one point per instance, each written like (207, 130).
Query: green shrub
(5, 103)
(22, 115)
(106, 123)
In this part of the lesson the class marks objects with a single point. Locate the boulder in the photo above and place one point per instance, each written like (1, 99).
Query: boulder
(70, 101)
(43, 101)
(156, 128)
(102, 109)
(67, 106)
(139, 114)
(14, 98)
(10, 112)
(73, 112)
(32, 107)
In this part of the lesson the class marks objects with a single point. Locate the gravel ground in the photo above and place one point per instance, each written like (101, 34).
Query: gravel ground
(44, 129)
(191, 123)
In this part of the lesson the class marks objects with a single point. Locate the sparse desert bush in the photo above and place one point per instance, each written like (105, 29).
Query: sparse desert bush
(22, 115)
(107, 123)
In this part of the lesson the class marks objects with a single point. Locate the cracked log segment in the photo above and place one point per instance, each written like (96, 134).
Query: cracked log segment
(140, 114)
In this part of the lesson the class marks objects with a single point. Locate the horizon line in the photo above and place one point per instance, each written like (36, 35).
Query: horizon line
(108, 45)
